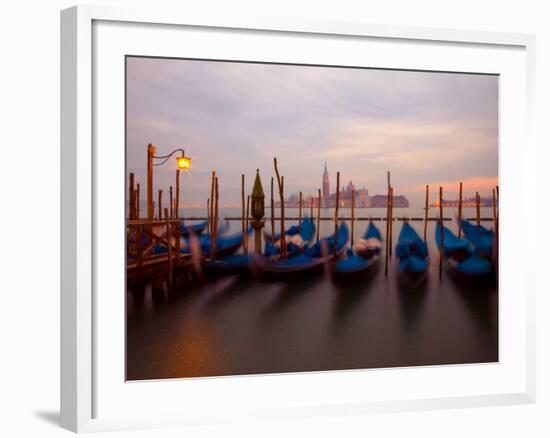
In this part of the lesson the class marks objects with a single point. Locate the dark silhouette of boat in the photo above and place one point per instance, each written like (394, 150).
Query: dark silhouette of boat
(363, 258)
(461, 257)
(225, 245)
(185, 229)
(306, 231)
(480, 237)
(370, 245)
(313, 258)
(326, 245)
(228, 265)
(412, 254)
(354, 265)
(197, 229)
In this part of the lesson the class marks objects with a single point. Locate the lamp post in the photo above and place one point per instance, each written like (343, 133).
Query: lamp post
(182, 161)
(257, 199)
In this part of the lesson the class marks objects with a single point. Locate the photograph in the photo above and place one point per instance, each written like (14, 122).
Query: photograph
(291, 218)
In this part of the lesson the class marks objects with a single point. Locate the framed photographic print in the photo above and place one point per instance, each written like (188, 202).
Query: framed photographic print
(288, 218)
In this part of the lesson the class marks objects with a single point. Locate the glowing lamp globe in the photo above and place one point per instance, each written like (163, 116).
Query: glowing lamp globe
(183, 162)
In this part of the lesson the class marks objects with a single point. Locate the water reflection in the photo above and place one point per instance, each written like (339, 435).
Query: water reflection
(349, 293)
(290, 293)
(232, 288)
(241, 325)
(411, 304)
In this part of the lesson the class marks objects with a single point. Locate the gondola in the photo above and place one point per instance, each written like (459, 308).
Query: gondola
(197, 229)
(306, 230)
(311, 259)
(294, 245)
(480, 237)
(296, 237)
(225, 246)
(228, 265)
(412, 253)
(185, 230)
(453, 247)
(325, 246)
(292, 266)
(355, 265)
(461, 257)
(474, 267)
(370, 245)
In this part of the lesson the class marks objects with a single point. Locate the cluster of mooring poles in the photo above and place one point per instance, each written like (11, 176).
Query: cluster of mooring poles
(142, 233)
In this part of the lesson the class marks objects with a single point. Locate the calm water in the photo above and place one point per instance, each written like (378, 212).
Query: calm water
(238, 325)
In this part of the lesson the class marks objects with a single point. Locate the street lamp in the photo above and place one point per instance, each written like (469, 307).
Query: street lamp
(182, 161)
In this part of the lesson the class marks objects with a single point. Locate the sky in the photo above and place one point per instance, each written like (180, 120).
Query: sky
(424, 127)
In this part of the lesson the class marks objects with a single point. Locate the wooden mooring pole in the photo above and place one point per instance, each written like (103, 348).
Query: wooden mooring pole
(318, 212)
(280, 182)
(151, 151)
(283, 229)
(160, 204)
(131, 197)
(243, 214)
(247, 221)
(138, 209)
(213, 225)
(336, 212)
(441, 234)
(177, 202)
(171, 203)
(460, 211)
(478, 201)
(352, 215)
(496, 231)
(426, 208)
(391, 222)
(272, 214)
(390, 216)
(212, 201)
(300, 210)
(208, 217)
(214, 242)
(387, 239)
(311, 208)
(169, 244)
(494, 210)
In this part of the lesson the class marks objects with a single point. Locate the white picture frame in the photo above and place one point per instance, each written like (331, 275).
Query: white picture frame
(82, 371)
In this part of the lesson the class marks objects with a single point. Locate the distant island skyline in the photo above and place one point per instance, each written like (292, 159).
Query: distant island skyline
(424, 127)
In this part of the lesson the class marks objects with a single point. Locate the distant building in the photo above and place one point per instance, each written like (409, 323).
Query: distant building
(326, 186)
(468, 202)
(399, 201)
(362, 198)
(329, 199)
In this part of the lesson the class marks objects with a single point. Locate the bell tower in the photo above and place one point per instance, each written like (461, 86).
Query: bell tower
(326, 185)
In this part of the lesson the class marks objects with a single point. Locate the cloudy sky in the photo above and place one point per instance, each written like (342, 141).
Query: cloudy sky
(426, 128)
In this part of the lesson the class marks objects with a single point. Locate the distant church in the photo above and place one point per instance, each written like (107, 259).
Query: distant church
(329, 199)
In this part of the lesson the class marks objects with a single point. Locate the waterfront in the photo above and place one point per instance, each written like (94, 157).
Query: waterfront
(239, 325)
